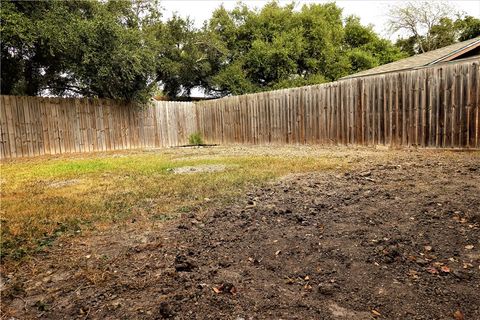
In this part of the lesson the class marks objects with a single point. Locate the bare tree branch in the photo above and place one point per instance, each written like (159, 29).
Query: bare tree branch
(417, 19)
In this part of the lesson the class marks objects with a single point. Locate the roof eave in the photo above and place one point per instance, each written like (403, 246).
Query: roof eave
(456, 53)
(375, 74)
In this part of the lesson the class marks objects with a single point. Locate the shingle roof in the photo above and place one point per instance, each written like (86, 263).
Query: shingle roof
(421, 60)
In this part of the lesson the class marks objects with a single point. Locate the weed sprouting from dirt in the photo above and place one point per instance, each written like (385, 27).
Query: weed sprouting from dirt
(195, 139)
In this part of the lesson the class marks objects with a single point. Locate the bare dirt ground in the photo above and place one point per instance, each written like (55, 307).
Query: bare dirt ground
(396, 236)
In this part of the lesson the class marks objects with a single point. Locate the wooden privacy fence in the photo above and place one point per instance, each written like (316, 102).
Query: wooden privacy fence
(429, 107)
(32, 126)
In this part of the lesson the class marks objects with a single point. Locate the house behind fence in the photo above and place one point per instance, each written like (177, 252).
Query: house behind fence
(425, 107)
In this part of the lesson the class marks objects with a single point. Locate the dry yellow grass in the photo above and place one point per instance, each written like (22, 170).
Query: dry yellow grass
(44, 198)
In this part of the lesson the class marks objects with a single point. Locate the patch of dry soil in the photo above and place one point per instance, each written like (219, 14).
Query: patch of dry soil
(63, 183)
(200, 168)
(390, 239)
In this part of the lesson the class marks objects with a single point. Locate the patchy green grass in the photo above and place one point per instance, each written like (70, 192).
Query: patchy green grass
(42, 199)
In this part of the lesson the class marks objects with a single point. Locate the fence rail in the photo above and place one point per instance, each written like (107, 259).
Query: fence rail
(429, 107)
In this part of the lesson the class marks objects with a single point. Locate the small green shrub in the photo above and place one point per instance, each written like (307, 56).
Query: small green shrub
(195, 139)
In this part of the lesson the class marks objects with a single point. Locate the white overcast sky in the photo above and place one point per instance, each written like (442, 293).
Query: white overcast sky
(370, 12)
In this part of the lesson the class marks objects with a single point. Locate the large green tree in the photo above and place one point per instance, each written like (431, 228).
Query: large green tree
(365, 49)
(87, 48)
(279, 46)
(184, 56)
(123, 50)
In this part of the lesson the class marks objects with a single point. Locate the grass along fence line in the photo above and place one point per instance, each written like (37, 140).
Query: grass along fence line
(429, 107)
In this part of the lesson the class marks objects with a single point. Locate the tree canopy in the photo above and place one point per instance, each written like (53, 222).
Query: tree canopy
(278, 47)
(87, 48)
(430, 25)
(127, 50)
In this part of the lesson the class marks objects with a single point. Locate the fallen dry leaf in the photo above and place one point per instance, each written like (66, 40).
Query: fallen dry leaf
(278, 252)
(412, 258)
(469, 246)
(458, 219)
(458, 315)
(289, 281)
(225, 288)
(432, 270)
(413, 274)
(445, 269)
(307, 287)
(376, 313)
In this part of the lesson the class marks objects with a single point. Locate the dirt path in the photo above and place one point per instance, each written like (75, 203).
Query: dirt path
(390, 239)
